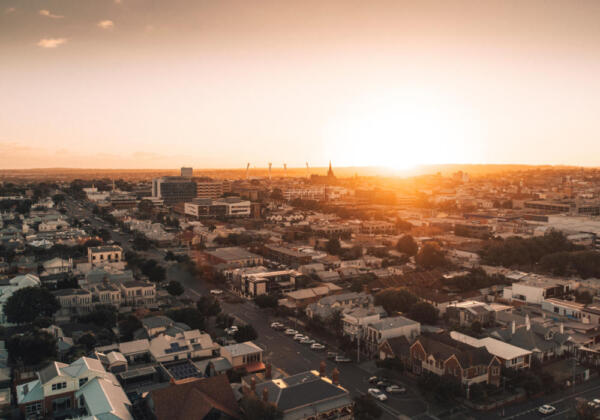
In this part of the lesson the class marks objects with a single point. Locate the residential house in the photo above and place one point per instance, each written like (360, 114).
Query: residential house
(307, 395)
(377, 332)
(356, 320)
(83, 388)
(470, 311)
(511, 356)
(325, 306)
(185, 345)
(194, 398)
(244, 356)
(107, 254)
(440, 355)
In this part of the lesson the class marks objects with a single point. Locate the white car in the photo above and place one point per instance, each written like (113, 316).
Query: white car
(317, 346)
(231, 330)
(290, 331)
(307, 340)
(395, 389)
(546, 409)
(377, 394)
(299, 337)
(216, 292)
(277, 325)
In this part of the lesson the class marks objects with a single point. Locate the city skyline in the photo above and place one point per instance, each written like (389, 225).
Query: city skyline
(127, 84)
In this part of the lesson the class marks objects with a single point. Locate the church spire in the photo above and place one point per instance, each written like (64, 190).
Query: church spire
(330, 171)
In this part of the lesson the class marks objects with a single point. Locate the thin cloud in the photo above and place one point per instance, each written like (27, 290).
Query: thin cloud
(51, 42)
(10, 10)
(106, 24)
(47, 13)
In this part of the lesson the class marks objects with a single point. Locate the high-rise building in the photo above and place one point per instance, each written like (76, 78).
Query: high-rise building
(187, 172)
(173, 189)
(208, 188)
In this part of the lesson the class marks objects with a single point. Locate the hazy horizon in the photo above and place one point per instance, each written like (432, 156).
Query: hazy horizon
(395, 84)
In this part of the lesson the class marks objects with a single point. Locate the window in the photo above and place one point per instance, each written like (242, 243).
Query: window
(495, 371)
(33, 408)
(82, 381)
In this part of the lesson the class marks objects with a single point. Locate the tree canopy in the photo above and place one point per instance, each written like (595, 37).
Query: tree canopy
(431, 256)
(31, 348)
(407, 245)
(26, 304)
(395, 300)
(266, 301)
(245, 333)
(365, 408)
(175, 288)
(424, 313)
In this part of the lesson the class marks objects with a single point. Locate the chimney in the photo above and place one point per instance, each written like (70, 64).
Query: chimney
(561, 328)
(265, 394)
(253, 384)
(322, 368)
(335, 376)
(268, 373)
(527, 322)
(514, 327)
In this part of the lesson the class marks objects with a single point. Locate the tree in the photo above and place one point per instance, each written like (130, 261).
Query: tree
(424, 313)
(266, 301)
(192, 317)
(26, 304)
(104, 316)
(155, 272)
(58, 199)
(333, 246)
(407, 245)
(365, 408)
(31, 348)
(145, 208)
(335, 321)
(583, 297)
(256, 409)
(276, 194)
(88, 341)
(245, 333)
(175, 288)
(128, 326)
(431, 256)
(141, 243)
(395, 300)
(208, 306)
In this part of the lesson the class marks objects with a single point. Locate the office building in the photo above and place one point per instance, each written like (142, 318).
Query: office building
(173, 189)
(187, 172)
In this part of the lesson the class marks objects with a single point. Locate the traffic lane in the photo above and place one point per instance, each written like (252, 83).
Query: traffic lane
(563, 401)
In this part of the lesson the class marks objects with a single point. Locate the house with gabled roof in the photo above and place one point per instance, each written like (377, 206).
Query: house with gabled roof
(441, 355)
(80, 389)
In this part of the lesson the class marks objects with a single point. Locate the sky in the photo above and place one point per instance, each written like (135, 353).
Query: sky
(219, 83)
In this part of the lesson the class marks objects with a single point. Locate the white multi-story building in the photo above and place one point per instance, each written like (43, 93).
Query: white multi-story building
(378, 332)
(100, 255)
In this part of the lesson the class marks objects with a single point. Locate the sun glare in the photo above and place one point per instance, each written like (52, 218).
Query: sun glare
(398, 133)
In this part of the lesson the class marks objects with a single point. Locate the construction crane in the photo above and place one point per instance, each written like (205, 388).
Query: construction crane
(270, 164)
(247, 169)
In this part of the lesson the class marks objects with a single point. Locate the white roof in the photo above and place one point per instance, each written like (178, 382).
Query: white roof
(105, 399)
(496, 347)
(242, 348)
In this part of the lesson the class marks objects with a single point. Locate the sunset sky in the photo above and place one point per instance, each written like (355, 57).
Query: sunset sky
(161, 84)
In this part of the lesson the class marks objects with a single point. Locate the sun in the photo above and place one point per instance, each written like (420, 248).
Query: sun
(399, 133)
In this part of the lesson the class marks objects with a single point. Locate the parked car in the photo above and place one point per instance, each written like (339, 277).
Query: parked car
(290, 331)
(373, 379)
(377, 394)
(546, 409)
(331, 355)
(277, 325)
(299, 337)
(307, 340)
(342, 359)
(317, 346)
(383, 384)
(216, 292)
(231, 330)
(395, 389)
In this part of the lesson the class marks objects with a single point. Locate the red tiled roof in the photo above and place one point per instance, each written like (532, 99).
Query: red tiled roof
(195, 399)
